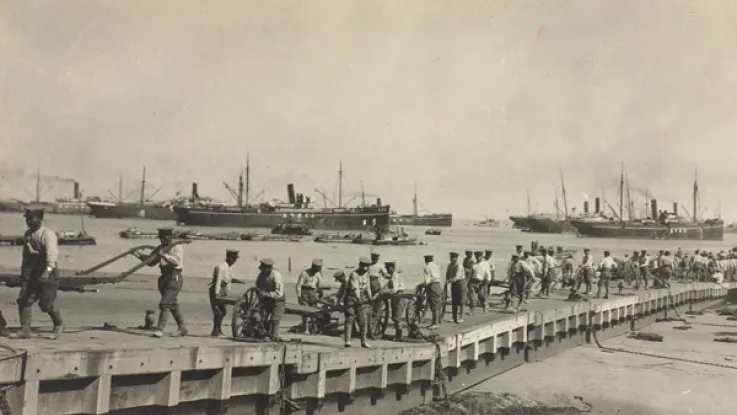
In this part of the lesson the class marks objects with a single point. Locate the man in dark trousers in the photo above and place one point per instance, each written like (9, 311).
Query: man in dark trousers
(222, 277)
(170, 259)
(39, 279)
(270, 284)
(455, 276)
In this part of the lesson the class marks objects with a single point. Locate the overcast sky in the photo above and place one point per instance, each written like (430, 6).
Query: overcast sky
(475, 101)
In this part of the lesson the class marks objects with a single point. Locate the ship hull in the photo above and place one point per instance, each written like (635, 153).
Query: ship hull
(520, 222)
(320, 220)
(692, 232)
(70, 208)
(549, 225)
(444, 220)
(131, 211)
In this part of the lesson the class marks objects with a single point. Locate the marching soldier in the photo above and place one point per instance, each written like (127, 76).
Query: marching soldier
(434, 290)
(170, 281)
(353, 294)
(309, 288)
(456, 277)
(270, 285)
(222, 277)
(476, 283)
(606, 267)
(395, 285)
(39, 275)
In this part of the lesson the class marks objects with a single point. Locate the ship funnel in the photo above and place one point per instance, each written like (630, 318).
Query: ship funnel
(290, 193)
(654, 209)
(195, 193)
(77, 195)
(586, 206)
(675, 208)
(597, 205)
(378, 201)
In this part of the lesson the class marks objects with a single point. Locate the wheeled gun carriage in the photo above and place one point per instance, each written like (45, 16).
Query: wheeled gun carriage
(79, 281)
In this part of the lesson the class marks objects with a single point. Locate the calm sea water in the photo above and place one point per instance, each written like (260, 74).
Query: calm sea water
(202, 256)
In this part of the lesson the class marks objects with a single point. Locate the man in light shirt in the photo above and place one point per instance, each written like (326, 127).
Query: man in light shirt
(587, 270)
(533, 284)
(222, 277)
(477, 282)
(270, 286)
(606, 267)
(521, 273)
(39, 275)
(431, 275)
(170, 259)
(309, 288)
(549, 266)
(644, 267)
(666, 268)
(456, 277)
(395, 285)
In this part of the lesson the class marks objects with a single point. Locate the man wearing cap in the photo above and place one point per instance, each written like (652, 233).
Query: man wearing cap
(533, 284)
(222, 277)
(549, 266)
(491, 265)
(477, 283)
(39, 279)
(456, 277)
(395, 285)
(606, 267)
(667, 265)
(521, 273)
(644, 267)
(270, 285)
(309, 288)
(431, 275)
(376, 272)
(353, 295)
(170, 259)
(587, 270)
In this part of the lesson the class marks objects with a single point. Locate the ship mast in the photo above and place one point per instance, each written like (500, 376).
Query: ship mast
(695, 195)
(563, 185)
(647, 200)
(629, 198)
(248, 178)
(528, 202)
(557, 205)
(340, 184)
(143, 187)
(38, 185)
(621, 194)
(414, 203)
(363, 196)
(120, 189)
(240, 189)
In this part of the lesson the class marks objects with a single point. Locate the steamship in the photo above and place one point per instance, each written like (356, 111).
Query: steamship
(144, 209)
(299, 210)
(656, 225)
(417, 219)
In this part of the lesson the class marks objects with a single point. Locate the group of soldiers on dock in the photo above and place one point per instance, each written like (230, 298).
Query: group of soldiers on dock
(468, 282)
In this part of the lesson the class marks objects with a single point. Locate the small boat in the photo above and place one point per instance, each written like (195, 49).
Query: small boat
(11, 240)
(336, 238)
(275, 238)
(393, 241)
(135, 233)
(433, 231)
(77, 238)
(291, 228)
(489, 223)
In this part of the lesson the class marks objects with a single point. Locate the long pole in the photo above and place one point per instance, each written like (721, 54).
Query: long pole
(120, 189)
(621, 195)
(695, 195)
(563, 185)
(38, 185)
(414, 203)
(143, 187)
(248, 178)
(528, 202)
(340, 185)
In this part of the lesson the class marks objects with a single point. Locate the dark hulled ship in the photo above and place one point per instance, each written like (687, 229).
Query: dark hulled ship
(548, 224)
(519, 222)
(656, 225)
(143, 209)
(417, 219)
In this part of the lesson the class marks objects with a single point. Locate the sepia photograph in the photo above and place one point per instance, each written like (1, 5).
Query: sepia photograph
(411, 207)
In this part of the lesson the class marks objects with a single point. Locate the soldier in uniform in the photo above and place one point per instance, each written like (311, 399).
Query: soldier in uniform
(456, 277)
(431, 275)
(548, 277)
(352, 295)
(476, 283)
(644, 267)
(222, 277)
(666, 267)
(587, 266)
(170, 281)
(520, 274)
(376, 272)
(395, 285)
(491, 265)
(309, 288)
(606, 267)
(270, 285)
(39, 279)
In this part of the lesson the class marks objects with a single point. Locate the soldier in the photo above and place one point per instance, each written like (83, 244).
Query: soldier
(666, 268)
(395, 285)
(587, 266)
(434, 290)
(491, 265)
(548, 277)
(376, 272)
(644, 267)
(521, 273)
(222, 277)
(477, 282)
(309, 288)
(170, 281)
(606, 267)
(535, 265)
(273, 299)
(39, 279)
(456, 277)
(353, 294)
(568, 271)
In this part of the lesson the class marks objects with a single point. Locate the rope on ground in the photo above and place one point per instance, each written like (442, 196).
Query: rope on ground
(677, 359)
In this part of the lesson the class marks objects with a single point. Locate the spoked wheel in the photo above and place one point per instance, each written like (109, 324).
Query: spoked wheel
(242, 311)
(416, 307)
(443, 302)
(379, 318)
